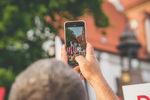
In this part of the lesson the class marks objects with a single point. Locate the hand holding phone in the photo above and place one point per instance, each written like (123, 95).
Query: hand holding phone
(75, 40)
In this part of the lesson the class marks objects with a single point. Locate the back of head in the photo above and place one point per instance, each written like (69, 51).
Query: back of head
(48, 80)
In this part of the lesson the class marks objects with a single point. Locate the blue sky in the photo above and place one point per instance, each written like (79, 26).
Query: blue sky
(77, 30)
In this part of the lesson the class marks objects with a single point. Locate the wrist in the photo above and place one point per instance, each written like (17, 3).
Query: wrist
(96, 80)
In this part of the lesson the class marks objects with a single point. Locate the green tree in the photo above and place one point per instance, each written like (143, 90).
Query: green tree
(70, 36)
(23, 28)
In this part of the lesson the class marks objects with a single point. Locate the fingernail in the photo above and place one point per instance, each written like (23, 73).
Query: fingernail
(63, 45)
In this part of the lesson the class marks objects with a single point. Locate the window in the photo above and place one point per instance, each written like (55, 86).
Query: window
(147, 32)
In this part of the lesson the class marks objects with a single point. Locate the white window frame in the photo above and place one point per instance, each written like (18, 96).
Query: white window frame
(147, 32)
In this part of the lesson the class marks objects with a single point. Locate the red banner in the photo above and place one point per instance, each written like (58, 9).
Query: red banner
(2, 93)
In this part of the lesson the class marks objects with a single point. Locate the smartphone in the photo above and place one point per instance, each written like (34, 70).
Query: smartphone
(75, 40)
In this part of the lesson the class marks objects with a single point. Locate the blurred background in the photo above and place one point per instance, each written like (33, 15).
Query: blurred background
(119, 30)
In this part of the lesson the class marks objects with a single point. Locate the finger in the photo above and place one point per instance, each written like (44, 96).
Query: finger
(81, 60)
(64, 57)
(89, 50)
(77, 69)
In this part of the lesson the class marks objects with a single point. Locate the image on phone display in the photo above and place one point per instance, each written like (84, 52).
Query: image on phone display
(75, 43)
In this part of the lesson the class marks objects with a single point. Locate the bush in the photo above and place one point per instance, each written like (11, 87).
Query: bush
(6, 79)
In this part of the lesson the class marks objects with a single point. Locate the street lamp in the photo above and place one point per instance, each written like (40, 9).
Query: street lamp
(130, 63)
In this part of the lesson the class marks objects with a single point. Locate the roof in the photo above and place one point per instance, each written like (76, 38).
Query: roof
(78, 37)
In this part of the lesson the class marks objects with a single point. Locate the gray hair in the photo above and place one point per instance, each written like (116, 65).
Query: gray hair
(48, 80)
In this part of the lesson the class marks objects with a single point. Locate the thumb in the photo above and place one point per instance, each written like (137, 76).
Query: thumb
(81, 60)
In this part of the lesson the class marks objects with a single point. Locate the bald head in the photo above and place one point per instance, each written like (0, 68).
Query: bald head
(48, 80)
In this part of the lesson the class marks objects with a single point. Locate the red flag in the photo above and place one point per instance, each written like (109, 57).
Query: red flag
(2, 93)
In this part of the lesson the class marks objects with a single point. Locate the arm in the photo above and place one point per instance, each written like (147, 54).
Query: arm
(102, 90)
(90, 69)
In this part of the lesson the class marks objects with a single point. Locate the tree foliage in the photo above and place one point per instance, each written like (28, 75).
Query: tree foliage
(6, 78)
(23, 28)
(70, 36)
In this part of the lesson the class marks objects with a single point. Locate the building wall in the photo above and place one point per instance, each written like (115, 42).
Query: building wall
(137, 16)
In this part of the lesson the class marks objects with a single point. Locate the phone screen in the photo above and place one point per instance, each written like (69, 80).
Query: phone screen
(75, 40)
